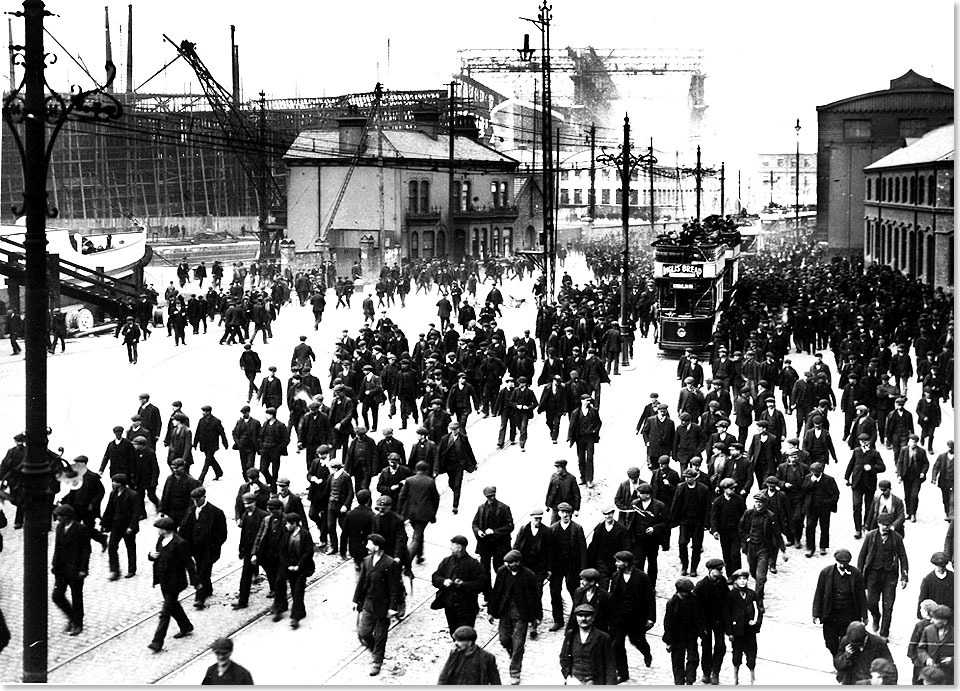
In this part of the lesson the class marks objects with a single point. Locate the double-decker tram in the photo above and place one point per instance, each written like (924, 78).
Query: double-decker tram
(695, 273)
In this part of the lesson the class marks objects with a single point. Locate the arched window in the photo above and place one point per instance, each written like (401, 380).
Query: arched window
(913, 190)
(921, 196)
(932, 190)
(414, 245)
(424, 196)
(465, 201)
(495, 193)
(869, 187)
(413, 197)
(930, 263)
(877, 242)
(440, 248)
(896, 190)
(504, 195)
(912, 255)
(896, 248)
(903, 248)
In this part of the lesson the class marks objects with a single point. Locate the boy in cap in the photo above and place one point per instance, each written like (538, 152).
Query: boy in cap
(743, 614)
(936, 647)
(470, 665)
(912, 466)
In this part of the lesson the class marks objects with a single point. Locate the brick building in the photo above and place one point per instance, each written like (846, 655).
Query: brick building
(908, 205)
(853, 133)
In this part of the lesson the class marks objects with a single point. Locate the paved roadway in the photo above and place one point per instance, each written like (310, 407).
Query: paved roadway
(88, 398)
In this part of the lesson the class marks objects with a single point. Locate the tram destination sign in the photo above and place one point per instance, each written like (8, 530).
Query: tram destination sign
(683, 270)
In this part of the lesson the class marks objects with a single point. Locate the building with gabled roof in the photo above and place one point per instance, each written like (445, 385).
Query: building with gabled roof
(387, 192)
(856, 131)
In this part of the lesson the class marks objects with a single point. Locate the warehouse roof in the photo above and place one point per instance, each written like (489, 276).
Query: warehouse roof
(935, 145)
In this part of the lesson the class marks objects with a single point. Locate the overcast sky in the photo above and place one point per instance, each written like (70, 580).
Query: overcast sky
(767, 63)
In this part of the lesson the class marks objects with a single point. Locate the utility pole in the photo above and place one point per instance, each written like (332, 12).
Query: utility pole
(593, 173)
(451, 197)
(723, 180)
(796, 205)
(378, 93)
(31, 106)
(699, 172)
(556, 211)
(234, 67)
(13, 77)
(626, 163)
(651, 160)
(262, 210)
(129, 86)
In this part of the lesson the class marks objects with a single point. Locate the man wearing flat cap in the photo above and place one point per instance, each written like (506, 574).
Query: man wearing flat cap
(691, 512)
(492, 527)
(454, 456)
(857, 651)
(633, 611)
(609, 538)
(468, 664)
(121, 520)
(119, 454)
(649, 531)
(688, 439)
(204, 529)
(459, 578)
(515, 601)
(587, 652)
(912, 466)
(296, 565)
(862, 424)
(682, 627)
(246, 438)
(711, 593)
(208, 437)
(360, 459)
(226, 672)
(883, 561)
(566, 558)
(70, 565)
(861, 476)
(175, 497)
(584, 431)
(760, 540)
(839, 599)
(938, 584)
(887, 502)
(250, 521)
(658, 432)
(172, 567)
(270, 394)
(376, 598)
(935, 651)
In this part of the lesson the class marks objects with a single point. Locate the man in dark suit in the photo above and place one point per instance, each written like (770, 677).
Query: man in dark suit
(515, 601)
(492, 527)
(424, 450)
(339, 500)
(70, 565)
(208, 437)
(566, 558)
(418, 503)
(274, 437)
(839, 599)
(151, 418)
(120, 454)
(454, 456)
(459, 579)
(172, 566)
(121, 519)
(291, 502)
(271, 390)
(609, 538)
(360, 459)
(553, 404)
(651, 530)
(688, 440)
(658, 434)
(887, 502)
(462, 399)
(820, 497)
(250, 521)
(296, 565)
(376, 598)
(342, 411)
(861, 476)
(899, 426)
(86, 498)
(912, 467)
(862, 424)
(584, 431)
(587, 652)
(691, 512)
(226, 672)
(633, 611)
(204, 529)
(357, 525)
(764, 453)
(883, 561)
(246, 438)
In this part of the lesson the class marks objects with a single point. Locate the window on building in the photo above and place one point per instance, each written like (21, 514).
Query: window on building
(793, 181)
(932, 189)
(633, 174)
(913, 190)
(457, 191)
(779, 163)
(921, 193)
(912, 127)
(576, 172)
(564, 196)
(465, 201)
(896, 190)
(619, 199)
(578, 197)
(869, 188)
(605, 174)
(495, 193)
(504, 193)
(564, 174)
(634, 198)
(605, 196)
(424, 196)
(414, 196)
(857, 129)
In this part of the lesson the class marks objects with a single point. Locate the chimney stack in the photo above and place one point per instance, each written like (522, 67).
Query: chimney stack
(427, 120)
(129, 49)
(351, 128)
(466, 126)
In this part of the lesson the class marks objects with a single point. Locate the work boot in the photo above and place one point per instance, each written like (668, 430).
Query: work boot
(736, 676)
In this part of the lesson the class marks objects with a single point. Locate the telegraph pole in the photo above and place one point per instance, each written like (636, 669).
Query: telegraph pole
(593, 173)
(651, 161)
(451, 198)
(723, 181)
(626, 163)
(699, 172)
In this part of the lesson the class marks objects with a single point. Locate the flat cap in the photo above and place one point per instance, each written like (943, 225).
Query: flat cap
(939, 559)
(564, 506)
(248, 496)
(206, 408)
(941, 612)
(512, 556)
(384, 500)
(252, 473)
(459, 540)
(422, 430)
(198, 492)
(537, 512)
(624, 556)
(684, 416)
(741, 572)
(245, 409)
(119, 477)
(291, 517)
(843, 556)
(691, 472)
(560, 463)
(140, 440)
(271, 411)
(64, 510)
(590, 575)
(684, 585)
(772, 481)
(165, 523)
(884, 484)
(284, 481)
(856, 632)
(714, 563)
(465, 633)
(585, 397)
(727, 482)
(885, 519)
(584, 609)
(274, 503)
(489, 491)
(816, 465)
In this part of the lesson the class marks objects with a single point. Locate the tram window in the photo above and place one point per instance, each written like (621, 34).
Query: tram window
(667, 297)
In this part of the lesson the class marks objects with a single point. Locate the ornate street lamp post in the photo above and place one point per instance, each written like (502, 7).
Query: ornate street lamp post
(34, 105)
